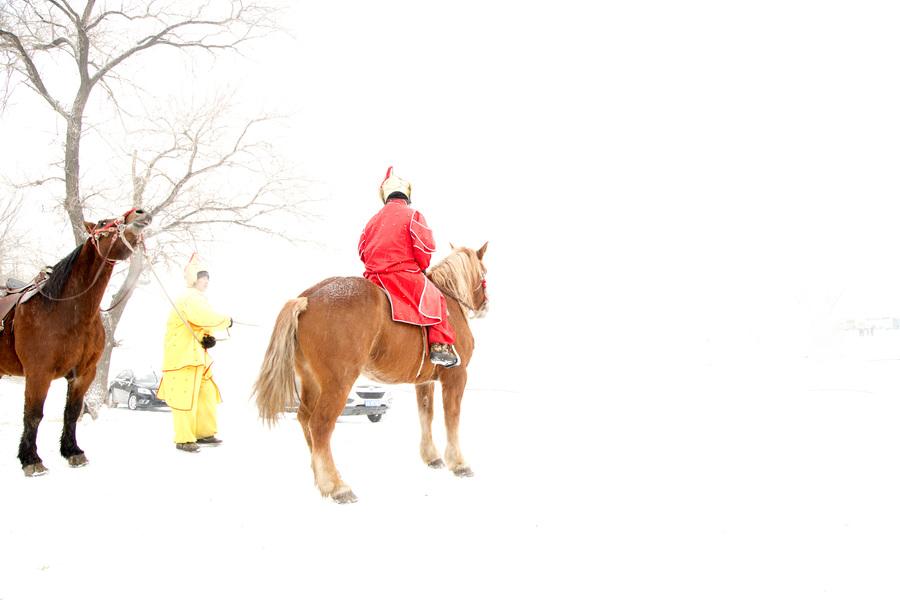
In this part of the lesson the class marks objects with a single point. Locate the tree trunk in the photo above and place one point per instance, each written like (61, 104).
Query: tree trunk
(73, 205)
(97, 393)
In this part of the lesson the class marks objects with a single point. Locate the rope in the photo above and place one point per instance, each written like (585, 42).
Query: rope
(133, 282)
(424, 352)
(472, 311)
(92, 284)
(119, 231)
(166, 294)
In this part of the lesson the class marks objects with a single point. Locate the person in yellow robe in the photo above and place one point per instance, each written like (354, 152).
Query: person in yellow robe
(187, 384)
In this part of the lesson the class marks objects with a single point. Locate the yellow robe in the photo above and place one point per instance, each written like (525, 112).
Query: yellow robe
(187, 385)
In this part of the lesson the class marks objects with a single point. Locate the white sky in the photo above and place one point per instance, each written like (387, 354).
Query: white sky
(696, 177)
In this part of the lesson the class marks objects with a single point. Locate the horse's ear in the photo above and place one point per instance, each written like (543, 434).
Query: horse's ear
(481, 251)
(452, 247)
(89, 226)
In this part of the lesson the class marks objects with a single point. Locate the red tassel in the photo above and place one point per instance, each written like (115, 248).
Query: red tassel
(387, 175)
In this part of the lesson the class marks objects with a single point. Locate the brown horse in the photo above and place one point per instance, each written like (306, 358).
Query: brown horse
(341, 328)
(58, 333)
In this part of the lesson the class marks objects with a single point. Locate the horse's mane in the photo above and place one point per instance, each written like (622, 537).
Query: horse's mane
(53, 289)
(456, 274)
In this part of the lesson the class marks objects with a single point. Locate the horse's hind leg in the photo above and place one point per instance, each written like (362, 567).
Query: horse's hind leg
(68, 445)
(309, 398)
(321, 425)
(453, 384)
(35, 395)
(425, 398)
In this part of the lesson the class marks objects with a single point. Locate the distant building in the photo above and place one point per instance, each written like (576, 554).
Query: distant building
(868, 326)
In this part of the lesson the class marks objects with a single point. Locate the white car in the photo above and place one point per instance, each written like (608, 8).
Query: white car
(368, 398)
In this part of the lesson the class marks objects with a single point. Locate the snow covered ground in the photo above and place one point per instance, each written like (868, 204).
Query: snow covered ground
(244, 519)
(718, 483)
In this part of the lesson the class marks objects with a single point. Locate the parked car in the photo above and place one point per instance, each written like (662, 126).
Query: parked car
(366, 398)
(136, 391)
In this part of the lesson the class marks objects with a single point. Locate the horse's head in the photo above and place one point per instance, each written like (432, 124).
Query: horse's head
(116, 238)
(479, 289)
(461, 276)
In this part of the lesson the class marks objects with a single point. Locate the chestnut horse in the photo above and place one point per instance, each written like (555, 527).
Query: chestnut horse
(341, 328)
(58, 333)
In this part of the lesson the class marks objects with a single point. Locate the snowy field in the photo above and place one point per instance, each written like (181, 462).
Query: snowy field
(244, 519)
(756, 482)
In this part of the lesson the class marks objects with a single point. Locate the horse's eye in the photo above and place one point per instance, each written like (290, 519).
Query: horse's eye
(102, 223)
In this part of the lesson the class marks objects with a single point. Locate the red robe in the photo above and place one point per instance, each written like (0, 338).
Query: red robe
(396, 247)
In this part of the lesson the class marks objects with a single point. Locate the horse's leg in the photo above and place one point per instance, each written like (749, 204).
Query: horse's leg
(321, 423)
(309, 397)
(453, 384)
(425, 398)
(35, 395)
(68, 445)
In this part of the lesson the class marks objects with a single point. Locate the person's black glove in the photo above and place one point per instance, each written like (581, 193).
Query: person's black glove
(208, 341)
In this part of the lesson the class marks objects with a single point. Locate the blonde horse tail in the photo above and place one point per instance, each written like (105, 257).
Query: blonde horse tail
(275, 386)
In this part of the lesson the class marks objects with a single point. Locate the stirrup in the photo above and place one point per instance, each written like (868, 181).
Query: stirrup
(443, 355)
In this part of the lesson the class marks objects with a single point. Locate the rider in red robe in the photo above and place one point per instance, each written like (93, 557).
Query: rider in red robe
(396, 247)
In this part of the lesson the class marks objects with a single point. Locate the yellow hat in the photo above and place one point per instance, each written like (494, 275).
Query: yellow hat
(392, 184)
(193, 267)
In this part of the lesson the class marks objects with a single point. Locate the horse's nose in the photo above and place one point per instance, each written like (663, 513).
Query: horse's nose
(141, 218)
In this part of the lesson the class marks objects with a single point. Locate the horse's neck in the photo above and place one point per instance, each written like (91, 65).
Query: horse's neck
(87, 282)
(454, 304)
(452, 296)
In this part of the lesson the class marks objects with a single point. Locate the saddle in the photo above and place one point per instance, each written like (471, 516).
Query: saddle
(16, 292)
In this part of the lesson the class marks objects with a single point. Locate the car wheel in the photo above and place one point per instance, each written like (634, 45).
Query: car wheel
(111, 400)
(374, 418)
(132, 402)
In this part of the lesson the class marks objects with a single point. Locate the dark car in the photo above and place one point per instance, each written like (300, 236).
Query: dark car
(134, 391)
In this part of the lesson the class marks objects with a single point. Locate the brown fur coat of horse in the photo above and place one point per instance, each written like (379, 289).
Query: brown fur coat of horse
(341, 328)
(58, 333)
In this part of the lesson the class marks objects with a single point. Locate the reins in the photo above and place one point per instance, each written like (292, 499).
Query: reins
(472, 309)
(140, 243)
(93, 240)
(169, 298)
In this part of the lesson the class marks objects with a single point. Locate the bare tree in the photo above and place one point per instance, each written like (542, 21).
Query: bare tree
(16, 257)
(53, 45)
(200, 172)
(64, 51)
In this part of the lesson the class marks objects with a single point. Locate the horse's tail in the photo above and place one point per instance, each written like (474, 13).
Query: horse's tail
(275, 386)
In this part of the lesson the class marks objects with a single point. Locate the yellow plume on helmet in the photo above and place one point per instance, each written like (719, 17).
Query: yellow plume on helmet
(193, 267)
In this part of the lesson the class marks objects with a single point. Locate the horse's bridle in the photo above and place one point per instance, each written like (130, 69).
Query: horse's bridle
(116, 227)
(470, 308)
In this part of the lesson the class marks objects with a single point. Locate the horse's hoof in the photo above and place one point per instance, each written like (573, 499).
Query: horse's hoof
(463, 472)
(35, 470)
(79, 460)
(436, 464)
(347, 497)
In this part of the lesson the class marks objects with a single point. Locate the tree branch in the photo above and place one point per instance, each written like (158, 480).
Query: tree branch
(170, 35)
(66, 10)
(34, 75)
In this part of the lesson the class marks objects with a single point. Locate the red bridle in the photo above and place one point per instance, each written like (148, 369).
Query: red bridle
(116, 226)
